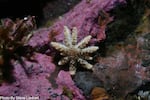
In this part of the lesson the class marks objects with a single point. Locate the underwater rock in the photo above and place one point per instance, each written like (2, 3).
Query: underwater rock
(121, 70)
(37, 83)
(40, 37)
(84, 16)
(55, 8)
(65, 81)
(86, 81)
(125, 66)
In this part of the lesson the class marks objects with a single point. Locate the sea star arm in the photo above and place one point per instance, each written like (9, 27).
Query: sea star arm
(86, 57)
(74, 36)
(89, 49)
(72, 67)
(83, 42)
(85, 63)
(59, 47)
(63, 61)
(67, 37)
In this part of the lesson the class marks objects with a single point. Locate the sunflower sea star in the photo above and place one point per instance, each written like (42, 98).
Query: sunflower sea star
(74, 52)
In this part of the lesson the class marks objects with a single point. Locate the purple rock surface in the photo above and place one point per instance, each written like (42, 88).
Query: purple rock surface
(84, 16)
(37, 83)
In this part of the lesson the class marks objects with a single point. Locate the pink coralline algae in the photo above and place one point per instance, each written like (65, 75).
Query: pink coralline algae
(84, 16)
(65, 81)
(37, 83)
(40, 37)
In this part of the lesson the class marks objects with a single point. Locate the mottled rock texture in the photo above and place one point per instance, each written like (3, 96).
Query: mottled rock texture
(84, 16)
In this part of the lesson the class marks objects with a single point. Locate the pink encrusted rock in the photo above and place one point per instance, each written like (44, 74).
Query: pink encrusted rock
(36, 84)
(65, 81)
(40, 37)
(84, 16)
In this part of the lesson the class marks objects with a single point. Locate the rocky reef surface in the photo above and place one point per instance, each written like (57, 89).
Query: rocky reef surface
(120, 70)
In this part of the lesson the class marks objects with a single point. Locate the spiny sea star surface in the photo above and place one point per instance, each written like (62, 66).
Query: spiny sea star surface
(74, 52)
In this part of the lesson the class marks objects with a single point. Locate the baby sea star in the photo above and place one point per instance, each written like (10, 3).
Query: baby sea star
(74, 52)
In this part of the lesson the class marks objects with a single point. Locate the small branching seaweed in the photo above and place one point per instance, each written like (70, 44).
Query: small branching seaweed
(14, 36)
